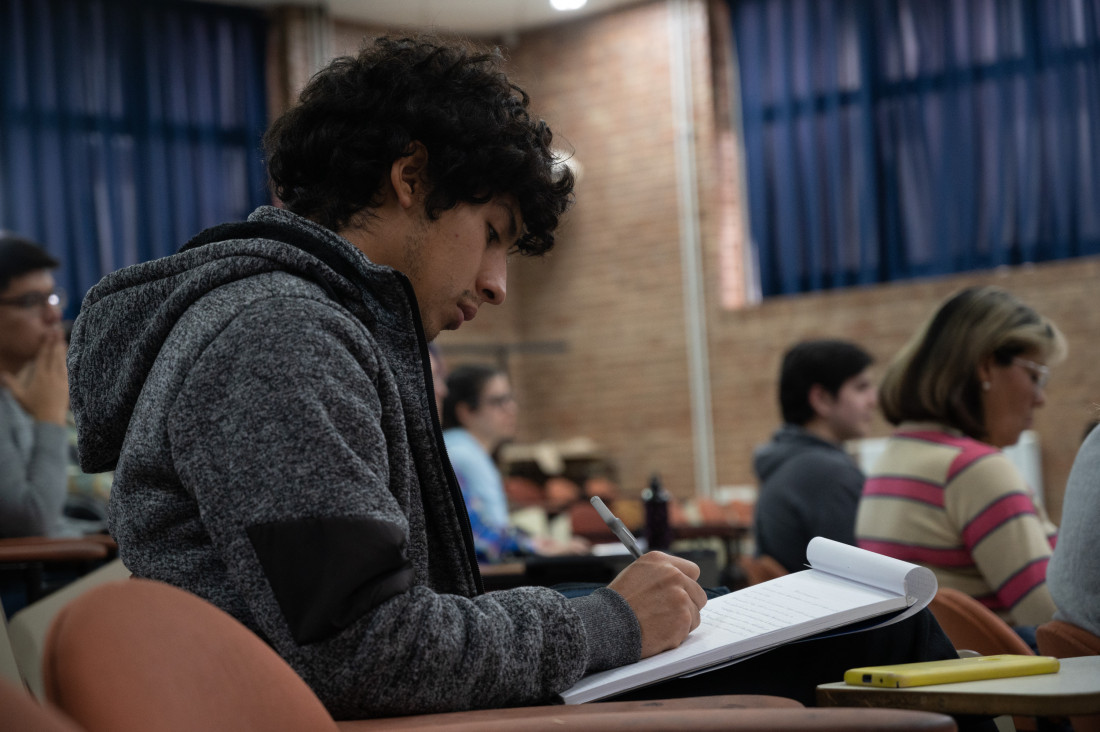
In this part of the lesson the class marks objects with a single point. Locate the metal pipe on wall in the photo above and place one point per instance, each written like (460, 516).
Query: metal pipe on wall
(691, 244)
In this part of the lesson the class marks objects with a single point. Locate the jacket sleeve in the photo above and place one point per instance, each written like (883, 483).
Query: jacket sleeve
(285, 431)
(32, 487)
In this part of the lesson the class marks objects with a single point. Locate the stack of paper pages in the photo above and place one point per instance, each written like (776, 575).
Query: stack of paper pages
(843, 585)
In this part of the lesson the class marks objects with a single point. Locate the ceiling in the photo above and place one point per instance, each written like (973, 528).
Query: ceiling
(476, 18)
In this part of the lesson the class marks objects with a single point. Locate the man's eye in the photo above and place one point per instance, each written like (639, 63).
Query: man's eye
(493, 235)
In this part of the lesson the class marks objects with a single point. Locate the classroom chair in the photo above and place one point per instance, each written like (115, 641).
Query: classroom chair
(136, 655)
(21, 713)
(28, 558)
(971, 626)
(27, 628)
(1066, 640)
(760, 569)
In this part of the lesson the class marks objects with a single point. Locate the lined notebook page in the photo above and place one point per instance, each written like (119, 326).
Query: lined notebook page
(772, 613)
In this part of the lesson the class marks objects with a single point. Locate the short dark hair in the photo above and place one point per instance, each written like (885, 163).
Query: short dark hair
(464, 386)
(329, 155)
(828, 363)
(19, 256)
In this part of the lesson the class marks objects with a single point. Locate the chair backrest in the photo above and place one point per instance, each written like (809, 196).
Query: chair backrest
(29, 626)
(1066, 640)
(142, 655)
(970, 625)
(21, 713)
(760, 569)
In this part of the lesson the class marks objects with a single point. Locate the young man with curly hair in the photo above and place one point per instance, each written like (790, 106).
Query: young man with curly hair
(266, 396)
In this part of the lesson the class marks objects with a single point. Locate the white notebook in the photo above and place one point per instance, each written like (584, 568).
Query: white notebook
(843, 585)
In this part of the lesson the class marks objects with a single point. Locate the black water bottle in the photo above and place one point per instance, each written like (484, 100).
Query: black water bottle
(658, 533)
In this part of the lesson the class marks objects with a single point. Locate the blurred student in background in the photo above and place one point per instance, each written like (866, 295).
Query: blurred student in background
(43, 492)
(34, 392)
(809, 486)
(942, 494)
(479, 415)
(1074, 571)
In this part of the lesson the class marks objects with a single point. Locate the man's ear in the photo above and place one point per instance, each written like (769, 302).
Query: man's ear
(408, 173)
(820, 400)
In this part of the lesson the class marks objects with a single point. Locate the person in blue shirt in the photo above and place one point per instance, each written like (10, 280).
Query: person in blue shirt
(479, 415)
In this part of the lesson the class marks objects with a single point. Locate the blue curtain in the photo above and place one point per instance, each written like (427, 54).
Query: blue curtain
(892, 139)
(127, 127)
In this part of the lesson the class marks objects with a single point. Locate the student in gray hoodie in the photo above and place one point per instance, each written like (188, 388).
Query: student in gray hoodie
(265, 397)
(809, 486)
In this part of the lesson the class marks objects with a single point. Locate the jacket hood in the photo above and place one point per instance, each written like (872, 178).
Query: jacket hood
(788, 441)
(126, 318)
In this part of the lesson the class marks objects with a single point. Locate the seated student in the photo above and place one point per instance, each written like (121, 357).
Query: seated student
(479, 415)
(942, 493)
(34, 393)
(809, 486)
(270, 413)
(1073, 574)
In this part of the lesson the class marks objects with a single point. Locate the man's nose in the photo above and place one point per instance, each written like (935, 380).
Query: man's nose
(492, 280)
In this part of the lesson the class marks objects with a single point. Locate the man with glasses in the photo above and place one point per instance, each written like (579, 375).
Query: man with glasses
(34, 392)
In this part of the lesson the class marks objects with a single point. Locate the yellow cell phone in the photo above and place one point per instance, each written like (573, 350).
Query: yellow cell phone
(923, 673)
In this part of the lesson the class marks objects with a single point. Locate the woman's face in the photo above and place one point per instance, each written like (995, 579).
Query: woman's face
(1015, 390)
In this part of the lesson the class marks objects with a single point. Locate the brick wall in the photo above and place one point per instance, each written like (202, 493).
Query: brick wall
(597, 328)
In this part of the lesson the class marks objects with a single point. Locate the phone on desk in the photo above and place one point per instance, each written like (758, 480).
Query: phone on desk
(923, 673)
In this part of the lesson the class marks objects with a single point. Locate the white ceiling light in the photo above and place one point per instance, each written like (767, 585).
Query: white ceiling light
(567, 4)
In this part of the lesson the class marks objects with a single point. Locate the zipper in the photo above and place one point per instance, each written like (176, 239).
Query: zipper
(449, 472)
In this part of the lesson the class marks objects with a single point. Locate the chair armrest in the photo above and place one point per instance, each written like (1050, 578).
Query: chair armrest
(48, 550)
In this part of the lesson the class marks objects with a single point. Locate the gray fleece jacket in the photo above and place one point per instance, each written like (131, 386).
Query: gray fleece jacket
(264, 399)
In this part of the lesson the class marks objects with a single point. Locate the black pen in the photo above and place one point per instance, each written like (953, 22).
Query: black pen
(617, 527)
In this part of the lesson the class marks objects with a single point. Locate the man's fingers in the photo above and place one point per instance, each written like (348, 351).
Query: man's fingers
(697, 594)
(688, 567)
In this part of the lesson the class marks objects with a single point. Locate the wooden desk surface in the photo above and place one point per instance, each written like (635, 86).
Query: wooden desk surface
(37, 549)
(1075, 689)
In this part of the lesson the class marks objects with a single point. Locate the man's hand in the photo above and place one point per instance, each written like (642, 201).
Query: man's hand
(665, 596)
(42, 386)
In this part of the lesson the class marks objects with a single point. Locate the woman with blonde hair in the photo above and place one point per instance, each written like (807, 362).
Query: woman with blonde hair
(942, 493)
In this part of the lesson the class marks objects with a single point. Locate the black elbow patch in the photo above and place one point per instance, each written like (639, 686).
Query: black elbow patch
(327, 573)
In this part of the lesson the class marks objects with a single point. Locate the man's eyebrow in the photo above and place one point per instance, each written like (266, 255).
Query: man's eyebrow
(513, 232)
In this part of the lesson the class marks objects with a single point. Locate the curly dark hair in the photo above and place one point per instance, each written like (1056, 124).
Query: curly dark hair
(329, 155)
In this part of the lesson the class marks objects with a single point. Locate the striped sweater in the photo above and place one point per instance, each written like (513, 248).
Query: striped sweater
(959, 507)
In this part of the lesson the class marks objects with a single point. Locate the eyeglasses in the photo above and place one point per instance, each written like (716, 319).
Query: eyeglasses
(1040, 374)
(500, 400)
(37, 300)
